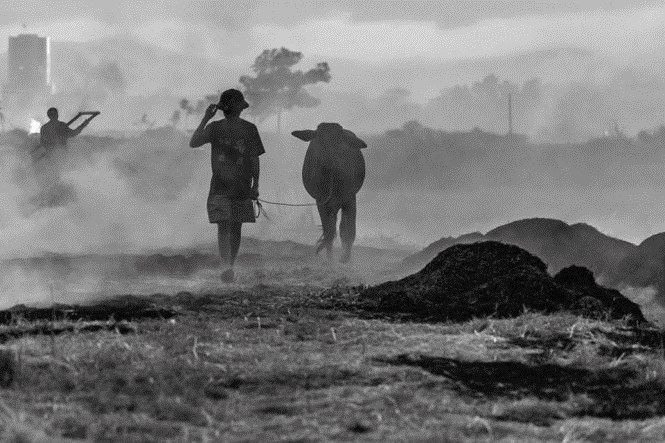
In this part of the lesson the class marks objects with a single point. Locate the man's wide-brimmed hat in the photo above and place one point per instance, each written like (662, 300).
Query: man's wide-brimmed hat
(230, 99)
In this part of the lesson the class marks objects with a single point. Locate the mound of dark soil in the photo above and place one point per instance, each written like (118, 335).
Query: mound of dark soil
(492, 278)
(557, 243)
(593, 300)
(644, 266)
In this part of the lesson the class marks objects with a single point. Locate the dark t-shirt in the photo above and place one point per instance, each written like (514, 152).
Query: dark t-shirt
(233, 143)
(55, 133)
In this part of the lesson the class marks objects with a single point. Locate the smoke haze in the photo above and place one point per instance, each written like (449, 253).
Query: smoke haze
(425, 84)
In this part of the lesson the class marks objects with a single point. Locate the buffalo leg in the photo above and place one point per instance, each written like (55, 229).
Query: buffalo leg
(329, 224)
(347, 228)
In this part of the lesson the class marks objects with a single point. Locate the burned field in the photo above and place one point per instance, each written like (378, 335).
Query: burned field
(302, 350)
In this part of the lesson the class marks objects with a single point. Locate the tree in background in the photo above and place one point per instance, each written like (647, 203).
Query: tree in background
(485, 104)
(276, 87)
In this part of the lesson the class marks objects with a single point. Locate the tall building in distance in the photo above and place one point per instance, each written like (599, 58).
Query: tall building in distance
(29, 63)
(28, 69)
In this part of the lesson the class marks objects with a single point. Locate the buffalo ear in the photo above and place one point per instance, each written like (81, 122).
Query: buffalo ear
(304, 135)
(353, 140)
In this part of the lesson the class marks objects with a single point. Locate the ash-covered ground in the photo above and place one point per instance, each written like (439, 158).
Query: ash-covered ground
(89, 277)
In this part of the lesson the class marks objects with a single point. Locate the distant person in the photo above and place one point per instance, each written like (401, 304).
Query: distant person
(235, 150)
(49, 160)
(55, 133)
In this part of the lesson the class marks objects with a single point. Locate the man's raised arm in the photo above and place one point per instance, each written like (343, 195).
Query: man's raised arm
(200, 136)
(81, 127)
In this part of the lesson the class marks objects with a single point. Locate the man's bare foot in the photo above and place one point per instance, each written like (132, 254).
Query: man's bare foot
(228, 276)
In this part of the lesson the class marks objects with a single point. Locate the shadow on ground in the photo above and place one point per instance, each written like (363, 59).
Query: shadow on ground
(616, 343)
(615, 392)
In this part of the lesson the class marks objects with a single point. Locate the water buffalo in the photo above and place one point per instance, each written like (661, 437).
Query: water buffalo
(333, 172)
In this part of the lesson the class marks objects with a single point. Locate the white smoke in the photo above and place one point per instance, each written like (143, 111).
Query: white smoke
(648, 299)
(34, 127)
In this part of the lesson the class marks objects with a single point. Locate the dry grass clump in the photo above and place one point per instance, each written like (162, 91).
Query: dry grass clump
(8, 366)
(531, 410)
(20, 427)
(274, 363)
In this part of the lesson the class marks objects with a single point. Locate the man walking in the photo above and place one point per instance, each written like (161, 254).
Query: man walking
(235, 150)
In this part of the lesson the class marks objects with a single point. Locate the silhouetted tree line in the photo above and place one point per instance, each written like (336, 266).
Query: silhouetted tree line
(484, 104)
(652, 137)
(421, 157)
(571, 113)
(412, 156)
(415, 155)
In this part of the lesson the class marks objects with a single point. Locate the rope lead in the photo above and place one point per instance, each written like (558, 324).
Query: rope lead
(285, 204)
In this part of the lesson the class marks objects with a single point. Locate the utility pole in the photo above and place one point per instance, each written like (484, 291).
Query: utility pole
(510, 113)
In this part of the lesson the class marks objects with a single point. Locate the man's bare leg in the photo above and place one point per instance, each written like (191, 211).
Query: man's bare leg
(235, 233)
(225, 250)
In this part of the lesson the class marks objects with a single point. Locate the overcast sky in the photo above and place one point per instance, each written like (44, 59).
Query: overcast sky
(377, 32)
(369, 30)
